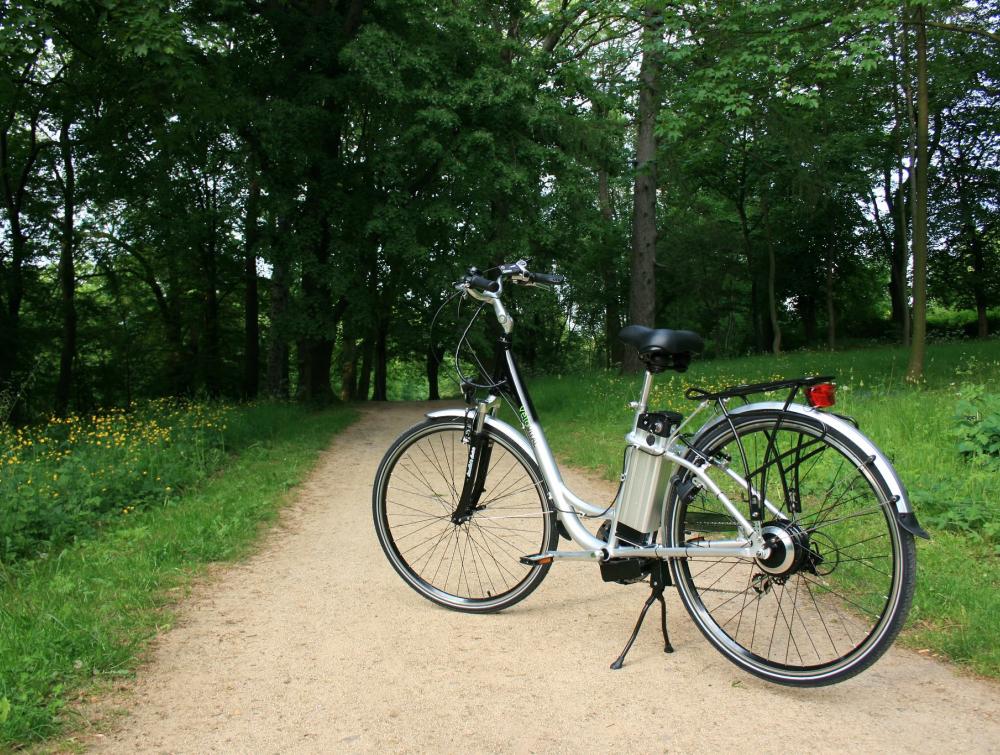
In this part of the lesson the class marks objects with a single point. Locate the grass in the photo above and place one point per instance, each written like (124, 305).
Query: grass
(82, 615)
(958, 586)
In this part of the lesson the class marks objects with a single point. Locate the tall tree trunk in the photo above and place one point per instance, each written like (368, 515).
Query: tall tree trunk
(915, 368)
(434, 356)
(277, 339)
(979, 279)
(315, 360)
(365, 376)
(613, 348)
(831, 311)
(642, 281)
(251, 305)
(899, 257)
(316, 350)
(807, 312)
(381, 363)
(211, 349)
(896, 250)
(772, 299)
(14, 182)
(756, 322)
(348, 363)
(899, 263)
(974, 241)
(67, 275)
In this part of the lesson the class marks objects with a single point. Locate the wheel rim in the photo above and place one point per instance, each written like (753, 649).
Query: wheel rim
(825, 597)
(475, 562)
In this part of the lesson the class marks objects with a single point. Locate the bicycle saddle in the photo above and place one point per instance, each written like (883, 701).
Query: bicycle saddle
(662, 349)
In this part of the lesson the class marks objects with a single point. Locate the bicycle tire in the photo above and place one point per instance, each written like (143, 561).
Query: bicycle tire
(472, 566)
(837, 588)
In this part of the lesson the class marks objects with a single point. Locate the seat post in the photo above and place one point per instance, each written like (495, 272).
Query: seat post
(642, 405)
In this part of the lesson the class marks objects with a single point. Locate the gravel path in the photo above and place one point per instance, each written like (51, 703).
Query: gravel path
(316, 645)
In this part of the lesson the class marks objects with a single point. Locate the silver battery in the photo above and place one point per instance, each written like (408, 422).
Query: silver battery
(645, 484)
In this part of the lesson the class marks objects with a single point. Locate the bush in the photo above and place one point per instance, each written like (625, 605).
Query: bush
(977, 419)
(67, 478)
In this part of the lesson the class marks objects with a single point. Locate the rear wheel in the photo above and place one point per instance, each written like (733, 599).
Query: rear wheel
(838, 583)
(470, 562)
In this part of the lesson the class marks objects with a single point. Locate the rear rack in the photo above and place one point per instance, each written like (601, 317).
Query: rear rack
(700, 394)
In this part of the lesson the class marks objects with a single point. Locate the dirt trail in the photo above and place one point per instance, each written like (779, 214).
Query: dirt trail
(316, 645)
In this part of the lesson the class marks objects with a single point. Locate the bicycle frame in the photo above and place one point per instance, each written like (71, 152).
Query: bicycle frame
(508, 382)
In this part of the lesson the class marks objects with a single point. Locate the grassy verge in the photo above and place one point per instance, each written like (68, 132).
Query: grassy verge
(82, 616)
(958, 586)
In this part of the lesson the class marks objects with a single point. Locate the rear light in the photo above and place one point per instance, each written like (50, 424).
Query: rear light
(822, 395)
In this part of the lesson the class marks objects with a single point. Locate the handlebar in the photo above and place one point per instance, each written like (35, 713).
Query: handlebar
(481, 283)
(517, 272)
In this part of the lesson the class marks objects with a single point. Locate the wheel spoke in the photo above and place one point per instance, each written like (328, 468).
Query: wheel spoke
(817, 606)
(475, 562)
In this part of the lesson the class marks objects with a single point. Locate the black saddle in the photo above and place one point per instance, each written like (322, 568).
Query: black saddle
(662, 349)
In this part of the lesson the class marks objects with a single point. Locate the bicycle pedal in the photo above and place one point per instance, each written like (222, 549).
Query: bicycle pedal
(537, 558)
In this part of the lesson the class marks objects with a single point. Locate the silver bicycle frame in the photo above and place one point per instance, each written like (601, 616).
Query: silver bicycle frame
(568, 505)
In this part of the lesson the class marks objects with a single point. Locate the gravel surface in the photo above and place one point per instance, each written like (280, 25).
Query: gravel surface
(316, 645)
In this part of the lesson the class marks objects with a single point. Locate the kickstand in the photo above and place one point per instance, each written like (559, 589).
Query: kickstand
(658, 580)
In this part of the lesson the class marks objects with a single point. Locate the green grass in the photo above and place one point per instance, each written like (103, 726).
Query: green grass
(955, 498)
(82, 616)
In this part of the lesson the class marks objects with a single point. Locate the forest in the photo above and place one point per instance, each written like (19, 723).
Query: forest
(270, 198)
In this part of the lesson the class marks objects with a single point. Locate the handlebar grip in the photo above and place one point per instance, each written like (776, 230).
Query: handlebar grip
(483, 284)
(552, 280)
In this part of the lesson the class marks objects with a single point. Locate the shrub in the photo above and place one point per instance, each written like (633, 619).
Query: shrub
(977, 426)
(67, 478)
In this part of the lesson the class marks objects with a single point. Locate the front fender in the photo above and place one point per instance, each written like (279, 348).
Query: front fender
(904, 511)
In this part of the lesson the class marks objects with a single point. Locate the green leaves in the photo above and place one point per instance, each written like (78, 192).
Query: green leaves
(977, 426)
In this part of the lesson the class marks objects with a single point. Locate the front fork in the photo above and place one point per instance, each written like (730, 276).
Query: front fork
(477, 463)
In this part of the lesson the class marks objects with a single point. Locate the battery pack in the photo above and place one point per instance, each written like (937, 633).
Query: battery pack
(645, 484)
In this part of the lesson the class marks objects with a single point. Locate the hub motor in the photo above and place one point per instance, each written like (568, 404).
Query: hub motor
(790, 550)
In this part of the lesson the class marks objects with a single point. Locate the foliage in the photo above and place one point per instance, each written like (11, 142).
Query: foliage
(201, 198)
(977, 419)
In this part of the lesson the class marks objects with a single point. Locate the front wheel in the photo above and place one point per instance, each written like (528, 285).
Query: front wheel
(464, 561)
(837, 586)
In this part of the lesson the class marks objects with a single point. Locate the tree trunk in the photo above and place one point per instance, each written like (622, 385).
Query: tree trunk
(896, 252)
(251, 306)
(756, 323)
(67, 275)
(348, 364)
(314, 371)
(434, 356)
(316, 350)
(915, 368)
(14, 182)
(772, 300)
(899, 258)
(381, 363)
(979, 280)
(277, 341)
(642, 281)
(315, 360)
(831, 312)
(211, 352)
(613, 348)
(365, 378)
(807, 312)
(974, 241)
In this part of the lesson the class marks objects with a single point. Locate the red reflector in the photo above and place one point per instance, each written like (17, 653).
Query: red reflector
(822, 395)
